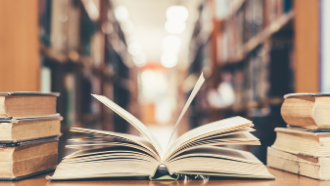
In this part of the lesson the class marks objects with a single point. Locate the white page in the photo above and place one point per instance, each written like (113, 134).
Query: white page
(118, 137)
(191, 97)
(217, 127)
(132, 120)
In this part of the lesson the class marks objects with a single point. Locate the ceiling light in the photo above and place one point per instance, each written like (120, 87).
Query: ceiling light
(140, 60)
(175, 27)
(171, 44)
(134, 48)
(177, 13)
(121, 13)
(169, 60)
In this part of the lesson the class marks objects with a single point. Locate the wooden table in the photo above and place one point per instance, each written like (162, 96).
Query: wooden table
(282, 179)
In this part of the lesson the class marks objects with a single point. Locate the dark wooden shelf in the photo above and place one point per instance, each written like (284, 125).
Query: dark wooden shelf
(65, 58)
(251, 105)
(264, 35)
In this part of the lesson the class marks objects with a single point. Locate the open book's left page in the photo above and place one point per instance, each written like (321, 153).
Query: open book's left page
(132, 120)
(104, 154)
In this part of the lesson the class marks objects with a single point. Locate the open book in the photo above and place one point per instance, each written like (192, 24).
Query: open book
(105, 154)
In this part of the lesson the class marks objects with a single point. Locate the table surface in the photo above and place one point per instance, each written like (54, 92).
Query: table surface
(282, 179)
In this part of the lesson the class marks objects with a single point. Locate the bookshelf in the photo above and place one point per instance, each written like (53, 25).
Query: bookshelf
(262, 50)
(85, 52)
(261, 37)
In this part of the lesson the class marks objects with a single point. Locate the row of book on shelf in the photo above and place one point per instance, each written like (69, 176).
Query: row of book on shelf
(81, 54)
(266, 73)
(250, 19)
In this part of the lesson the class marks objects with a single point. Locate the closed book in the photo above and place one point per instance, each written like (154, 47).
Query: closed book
(27, 104)
(16, 129)
(317, 167)
(27, 158)
(302, 141)
(307, 110)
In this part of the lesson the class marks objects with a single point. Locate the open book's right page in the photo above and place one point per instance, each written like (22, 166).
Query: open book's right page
(212, 130)
(198, 85)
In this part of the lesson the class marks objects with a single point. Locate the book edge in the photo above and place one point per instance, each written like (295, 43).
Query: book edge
(290, 95)
(27, 176)
(30, 93)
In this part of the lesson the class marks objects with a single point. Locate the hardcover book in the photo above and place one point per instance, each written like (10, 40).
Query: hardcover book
(16, 129)
(317, 167)
(27, 104)
(28, 158)
(307, 110)
(302, 141)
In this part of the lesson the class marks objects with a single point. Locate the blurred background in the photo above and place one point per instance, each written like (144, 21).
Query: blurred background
(146, 55)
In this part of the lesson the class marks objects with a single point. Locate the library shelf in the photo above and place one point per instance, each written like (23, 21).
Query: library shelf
(261, 37)
(242, 107)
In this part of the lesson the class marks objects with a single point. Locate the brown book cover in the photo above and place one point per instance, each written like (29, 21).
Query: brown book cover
(27, 104)
(310, 166)
(28, 158)
(307, 110)
(16, 129)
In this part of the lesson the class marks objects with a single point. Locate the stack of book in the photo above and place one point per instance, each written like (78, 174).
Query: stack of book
(29, 134)
(303, 147)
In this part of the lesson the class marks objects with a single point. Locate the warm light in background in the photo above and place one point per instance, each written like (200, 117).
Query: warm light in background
(222, 97)
(176, 24)
(169, 60)
(171, 48)
(176, 17)
(140, 60)
(177, 13)
(121, 13)
(153, 84)
(171, 44)
(174, 27)
(134, 48)
(122, 16)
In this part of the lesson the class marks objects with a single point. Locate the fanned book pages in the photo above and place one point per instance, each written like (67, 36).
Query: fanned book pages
(105, 154)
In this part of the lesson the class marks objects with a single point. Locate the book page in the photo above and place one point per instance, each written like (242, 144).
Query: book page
(132, 120)
(109, 137)
(210, 129)
(191, 97)
(245, 138)
(220, 152)
(217, 161)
